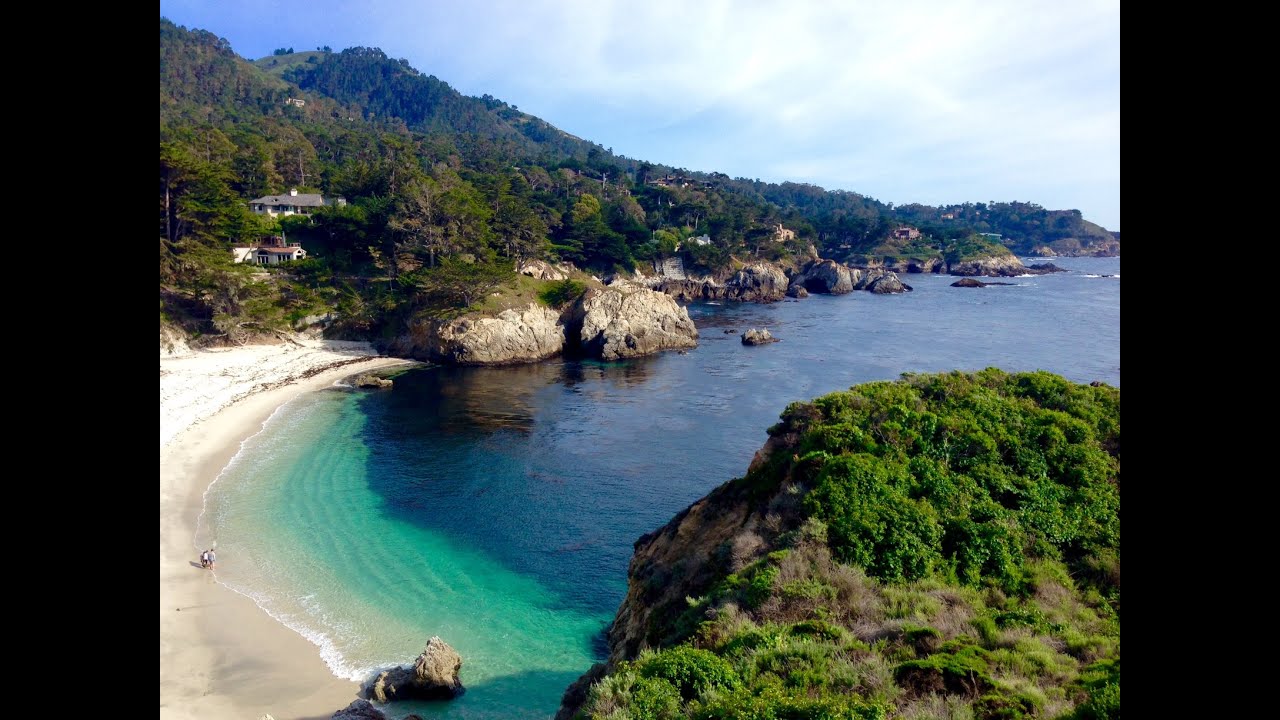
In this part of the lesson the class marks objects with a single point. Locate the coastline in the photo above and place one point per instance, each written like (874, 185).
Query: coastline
(220, 655)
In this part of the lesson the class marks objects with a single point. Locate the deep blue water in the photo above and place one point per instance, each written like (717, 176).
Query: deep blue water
(497, 507)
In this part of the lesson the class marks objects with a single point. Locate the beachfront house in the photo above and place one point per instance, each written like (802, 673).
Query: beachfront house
(293, 203)
(272, 251)
(906, 232)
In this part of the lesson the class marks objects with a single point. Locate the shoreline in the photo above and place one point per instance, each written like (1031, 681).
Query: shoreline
(221, 656)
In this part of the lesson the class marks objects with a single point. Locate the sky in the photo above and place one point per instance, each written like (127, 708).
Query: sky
(935, 102)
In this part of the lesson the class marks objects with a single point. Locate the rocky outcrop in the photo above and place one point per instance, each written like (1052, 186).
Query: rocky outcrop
(797, 291)
(971, 283)
(542, 270)
(625, 320)
(359, 710)
(1000, 266)
(887, 283)
(371, 381)
(433, 676)
(757, 336)
(824, 276)
(760, 282)
(520, 335)
(926, 265)
(687, 291)
(901, 264)
(173, 343)
(992, 266)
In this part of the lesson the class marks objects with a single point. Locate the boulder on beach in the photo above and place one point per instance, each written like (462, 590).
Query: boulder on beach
(433, 676)
(358, 710)
(757, 336)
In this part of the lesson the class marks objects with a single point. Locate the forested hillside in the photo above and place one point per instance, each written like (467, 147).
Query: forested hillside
(444, 190)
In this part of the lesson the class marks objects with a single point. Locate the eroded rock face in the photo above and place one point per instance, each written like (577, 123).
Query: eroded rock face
(756, 336)
(519, 335)
(825, 276)
(542, 270)
(760, 282)
(359, 710)
(886, 284)
(433, 676)
(994, 266)
(625, 320)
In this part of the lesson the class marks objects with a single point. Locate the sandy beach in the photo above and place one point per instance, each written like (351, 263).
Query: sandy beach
(220, 655)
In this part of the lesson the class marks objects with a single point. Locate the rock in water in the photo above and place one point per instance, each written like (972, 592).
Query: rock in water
(761, 282)
(1046, 268)
(626, 320)
(372, 381)
(887, 283)
(968, 282)
(797, 291)
(825, 276)
(359, 710)
(516, 335)
(433, 676)
(756, 336)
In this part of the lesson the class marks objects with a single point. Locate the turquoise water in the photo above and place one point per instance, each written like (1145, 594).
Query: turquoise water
(497, 507)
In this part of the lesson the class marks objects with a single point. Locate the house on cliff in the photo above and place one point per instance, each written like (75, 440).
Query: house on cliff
(294, 203)
(273, 251)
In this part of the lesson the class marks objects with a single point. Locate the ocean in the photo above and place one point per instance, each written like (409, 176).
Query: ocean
(497, 507)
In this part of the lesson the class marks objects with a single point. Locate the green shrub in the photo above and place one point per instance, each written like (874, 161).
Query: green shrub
(654, 699)
(818, 629)
(690, 670)
(959, 671)
(808, 589)
(561, 293)
(777, 704)
(1101, 683)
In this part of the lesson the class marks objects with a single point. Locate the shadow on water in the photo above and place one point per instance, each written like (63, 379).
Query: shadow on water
(509, 461)
(505, 697)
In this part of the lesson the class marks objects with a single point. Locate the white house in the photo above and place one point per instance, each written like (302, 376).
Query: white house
(292, 204)
(272, 252)
(243, 253)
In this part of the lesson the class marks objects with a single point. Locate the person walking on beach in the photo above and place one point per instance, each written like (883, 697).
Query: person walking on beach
(213, 559)
(204, 559)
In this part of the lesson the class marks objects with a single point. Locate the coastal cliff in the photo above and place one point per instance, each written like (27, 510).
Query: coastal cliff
(606, 323)
(758, 282)
(522, 335)
(884, 553)
(624, 320)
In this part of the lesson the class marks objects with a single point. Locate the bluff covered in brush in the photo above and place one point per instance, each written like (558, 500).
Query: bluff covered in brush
(942, 546)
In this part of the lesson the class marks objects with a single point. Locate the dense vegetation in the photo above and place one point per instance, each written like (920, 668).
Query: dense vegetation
(945, 546)
(441, 187)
